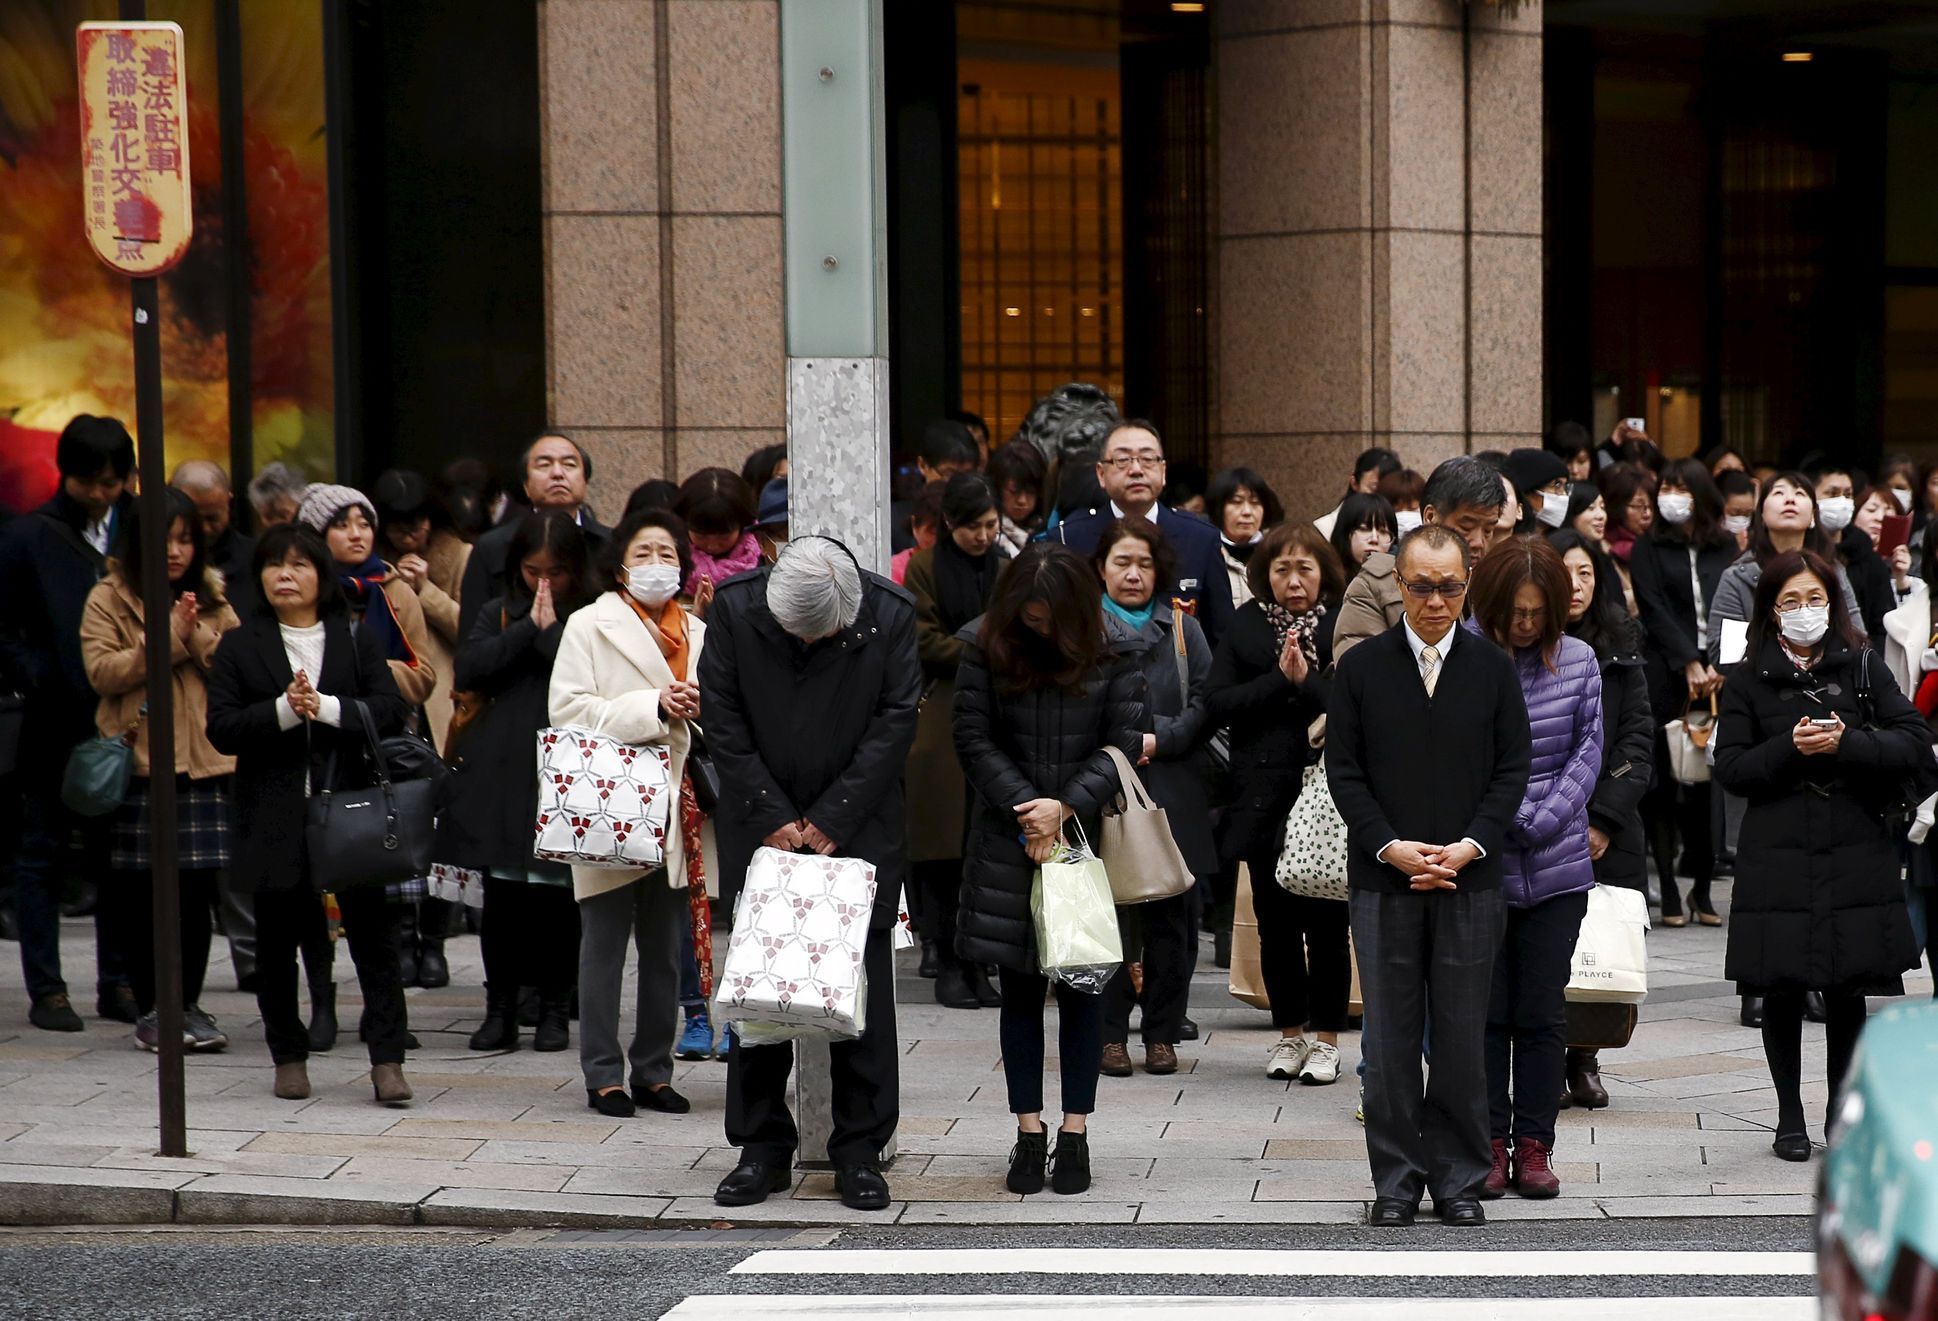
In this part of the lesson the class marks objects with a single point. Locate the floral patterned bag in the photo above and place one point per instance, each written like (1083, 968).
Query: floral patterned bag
(601, 803)
(794, 965)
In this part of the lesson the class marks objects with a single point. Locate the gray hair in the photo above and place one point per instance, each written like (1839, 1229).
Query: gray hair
(814, 588)
(277, 480)
(199, 475)
(1463, 482)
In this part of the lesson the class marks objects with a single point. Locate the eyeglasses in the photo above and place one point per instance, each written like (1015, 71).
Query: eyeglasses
(1530, 616)
(1148, 459)
(1559, 486)
(1814, 603)
(1449, 591)
(1641, 503)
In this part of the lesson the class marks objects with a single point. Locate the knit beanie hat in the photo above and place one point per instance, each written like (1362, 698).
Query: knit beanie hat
(1533, 469)
(322, 503)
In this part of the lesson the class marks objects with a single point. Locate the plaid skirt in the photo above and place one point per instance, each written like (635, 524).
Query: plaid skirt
(408, 892)
(204, 826)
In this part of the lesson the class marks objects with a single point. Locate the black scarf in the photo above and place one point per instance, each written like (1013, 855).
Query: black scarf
(963, 582)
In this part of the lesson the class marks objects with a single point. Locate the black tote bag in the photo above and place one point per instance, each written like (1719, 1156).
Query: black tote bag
(378, 835)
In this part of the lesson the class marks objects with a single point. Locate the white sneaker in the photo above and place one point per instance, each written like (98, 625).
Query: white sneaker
(1321, 1065)
(1287, 1057)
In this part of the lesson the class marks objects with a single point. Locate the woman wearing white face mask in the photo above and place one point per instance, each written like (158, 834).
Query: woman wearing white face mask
(503, 679)
(1816, 735)
(1677, 566)
(1854, 516)
(1791, 515)
(628, 667)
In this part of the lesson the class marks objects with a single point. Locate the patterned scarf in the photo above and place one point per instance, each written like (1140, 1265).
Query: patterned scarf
(744, 557)
(364, 585)
(1284, 621)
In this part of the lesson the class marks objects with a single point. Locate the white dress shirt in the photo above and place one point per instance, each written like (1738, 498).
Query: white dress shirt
(1116, 512)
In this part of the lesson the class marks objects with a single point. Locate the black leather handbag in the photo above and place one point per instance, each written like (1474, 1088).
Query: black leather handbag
(358, 837)
(706, 776)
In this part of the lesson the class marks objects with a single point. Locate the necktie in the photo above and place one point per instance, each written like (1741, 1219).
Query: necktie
(1430, 668)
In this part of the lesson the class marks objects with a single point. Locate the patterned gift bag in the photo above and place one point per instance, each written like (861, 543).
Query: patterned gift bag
(795, 960)
(601, 803)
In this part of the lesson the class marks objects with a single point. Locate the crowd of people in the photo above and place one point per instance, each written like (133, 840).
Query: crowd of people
(1518, 677)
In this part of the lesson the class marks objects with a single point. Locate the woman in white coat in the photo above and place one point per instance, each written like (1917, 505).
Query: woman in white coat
(628, 668)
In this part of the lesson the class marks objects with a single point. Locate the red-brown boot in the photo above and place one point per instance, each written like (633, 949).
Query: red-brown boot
(1533, 1175)
(1496, 1185)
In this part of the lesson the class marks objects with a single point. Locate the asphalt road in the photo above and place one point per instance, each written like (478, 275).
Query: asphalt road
(231, 1274)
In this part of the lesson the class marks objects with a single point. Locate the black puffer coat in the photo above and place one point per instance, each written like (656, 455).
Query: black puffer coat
(1269, 716)
(1041, 744)
(1628, 751)
(493, 791)
(1819, 901)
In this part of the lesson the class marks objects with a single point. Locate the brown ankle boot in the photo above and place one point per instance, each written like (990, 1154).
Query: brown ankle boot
(387, 1080)
(293, 1081)
(1585, 1079)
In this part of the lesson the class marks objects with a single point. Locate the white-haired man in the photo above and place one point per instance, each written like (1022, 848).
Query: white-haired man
(810, 683)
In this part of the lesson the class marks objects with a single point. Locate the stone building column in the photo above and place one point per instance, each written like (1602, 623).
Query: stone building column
(1378, 213)
(662, 164)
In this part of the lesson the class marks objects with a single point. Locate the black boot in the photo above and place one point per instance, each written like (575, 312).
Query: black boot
(952, 987)
(1070, 1167)
(927, 967)
(499, 1031)
(1221, 948)
(1814, 1010)
(986, 994)
(528, 1007)
(1026, 1161)
(1752, 1013)
(322, 1017)
(554, 1020)
(434, 921)
(407, 970)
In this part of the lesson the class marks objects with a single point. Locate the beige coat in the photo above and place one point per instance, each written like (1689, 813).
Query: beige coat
(446, 555)
(607, 678)
(414, 682)
(1371, 604)
(113, 647)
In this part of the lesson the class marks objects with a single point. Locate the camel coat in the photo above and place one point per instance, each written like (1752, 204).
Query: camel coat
(114, 649)
(414, 682)
(608, 678)
(447, 555)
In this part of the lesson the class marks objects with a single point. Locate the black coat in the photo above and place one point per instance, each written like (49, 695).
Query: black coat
(1819, 899)
(233, 555)
(1870, 580)
(251, 671)
(1045, 743)
(1269, 716)
(1402, 765)
(1176, 776)
(1628, 754)
(492, 797)
(819, 732)
(484, 573)
(49, 568)
(1666, 603)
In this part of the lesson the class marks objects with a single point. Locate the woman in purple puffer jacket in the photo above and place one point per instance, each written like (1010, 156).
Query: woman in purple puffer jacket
(1520, 595)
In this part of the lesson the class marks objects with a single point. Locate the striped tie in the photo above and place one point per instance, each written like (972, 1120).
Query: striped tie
(1430, 668)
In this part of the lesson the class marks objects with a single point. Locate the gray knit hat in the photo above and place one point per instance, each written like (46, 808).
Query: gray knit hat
(322, 503)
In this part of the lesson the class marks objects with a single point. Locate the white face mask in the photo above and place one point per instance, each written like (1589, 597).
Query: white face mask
(1805, 626)
(1553, 510)
(1406, 520)
(652, 584)
(1675, 507)
(1836, 512)
(1903, 498)
(1736, 524)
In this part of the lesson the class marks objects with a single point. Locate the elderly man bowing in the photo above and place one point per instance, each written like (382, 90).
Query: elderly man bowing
(1427, 755)
(810, 682)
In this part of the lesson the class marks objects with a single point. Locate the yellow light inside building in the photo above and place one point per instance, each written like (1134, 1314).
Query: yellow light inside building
(1012, 311)
(1187, 7)
(1798, 56)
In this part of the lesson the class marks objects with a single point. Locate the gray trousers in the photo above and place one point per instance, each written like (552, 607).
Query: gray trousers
(1420, 955)
(238, 907)
(649, 915)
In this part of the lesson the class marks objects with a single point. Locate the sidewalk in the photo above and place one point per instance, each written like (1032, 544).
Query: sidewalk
(506, 1140)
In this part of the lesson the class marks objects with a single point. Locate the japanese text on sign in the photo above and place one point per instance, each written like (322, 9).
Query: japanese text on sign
(134, 144)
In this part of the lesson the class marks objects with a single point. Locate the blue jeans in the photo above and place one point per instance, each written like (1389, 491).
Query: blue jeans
(45, 827)
(690, 998)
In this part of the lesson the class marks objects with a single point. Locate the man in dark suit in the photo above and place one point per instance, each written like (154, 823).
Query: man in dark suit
(1425, 836)
(227, 548)
(1131, 470)
(554, 470)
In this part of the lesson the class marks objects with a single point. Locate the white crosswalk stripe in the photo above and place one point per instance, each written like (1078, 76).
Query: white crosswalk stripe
(1597, 1285)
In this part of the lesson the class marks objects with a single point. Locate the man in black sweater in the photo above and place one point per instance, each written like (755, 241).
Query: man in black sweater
(1425, 836)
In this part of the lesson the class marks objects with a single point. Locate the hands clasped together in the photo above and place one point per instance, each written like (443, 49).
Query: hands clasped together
(1431, 866)
(798, 835)
(303, 697)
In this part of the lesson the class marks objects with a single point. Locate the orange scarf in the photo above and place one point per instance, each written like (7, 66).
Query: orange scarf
(669, 630)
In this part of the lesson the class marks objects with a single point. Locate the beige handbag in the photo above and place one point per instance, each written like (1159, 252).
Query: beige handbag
(1688, 738)
(1142, 859)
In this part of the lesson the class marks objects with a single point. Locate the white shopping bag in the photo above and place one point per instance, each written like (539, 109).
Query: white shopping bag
(1611, 963)
(601, 803)
(458, 885)
(799, 933)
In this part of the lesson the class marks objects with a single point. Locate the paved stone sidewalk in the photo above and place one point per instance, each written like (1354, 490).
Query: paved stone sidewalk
(507, 1140)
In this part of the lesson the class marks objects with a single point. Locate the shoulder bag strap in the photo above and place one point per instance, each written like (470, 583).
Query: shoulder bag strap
(1184, 662)
(375, 743)
(1130, 782)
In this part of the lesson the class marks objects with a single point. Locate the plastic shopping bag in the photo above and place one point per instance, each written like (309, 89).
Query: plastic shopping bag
(1077, 941)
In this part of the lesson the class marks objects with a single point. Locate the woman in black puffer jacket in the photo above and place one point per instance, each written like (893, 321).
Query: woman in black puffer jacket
(1042, 690)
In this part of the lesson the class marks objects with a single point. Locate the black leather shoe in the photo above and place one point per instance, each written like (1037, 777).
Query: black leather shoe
(1188, 1031)
(750, 1182)
(953, 989)
(862, 1187)
(1391, 1213)
(1814, 1009)
(1461, 1212)
(117, 1003)
(663, 1099)
(613, 1105)
(1792, 1146)
(986, 993)
(928, 965)
(1752, 1014)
